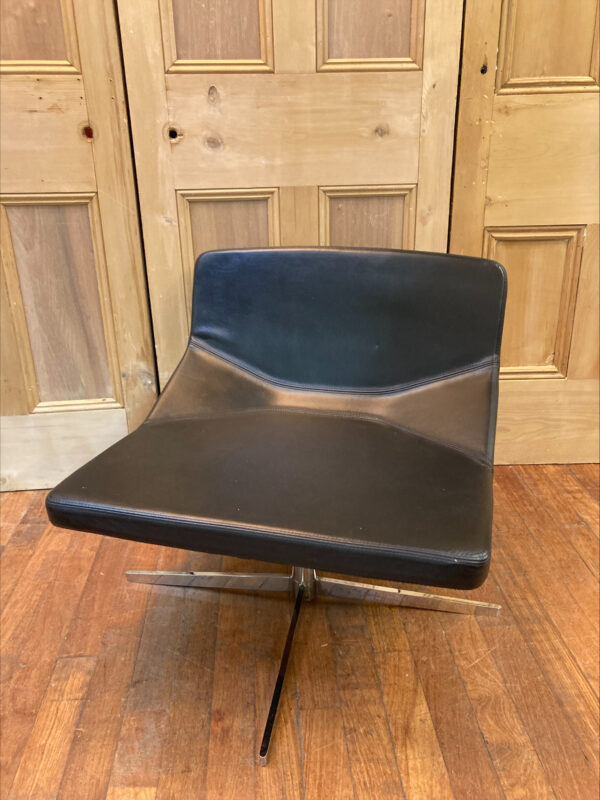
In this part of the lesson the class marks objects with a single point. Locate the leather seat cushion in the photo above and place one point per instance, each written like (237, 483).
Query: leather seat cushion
(343, 493)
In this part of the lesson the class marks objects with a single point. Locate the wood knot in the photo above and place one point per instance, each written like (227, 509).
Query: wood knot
(382, 130)
(213, 142)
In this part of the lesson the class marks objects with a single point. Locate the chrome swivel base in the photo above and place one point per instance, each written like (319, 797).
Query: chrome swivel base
(305, 584)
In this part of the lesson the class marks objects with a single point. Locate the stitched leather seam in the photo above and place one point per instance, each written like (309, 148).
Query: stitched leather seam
(490, 361)
(281, 533)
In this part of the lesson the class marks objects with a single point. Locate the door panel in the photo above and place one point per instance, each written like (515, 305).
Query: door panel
(548, 46)
(368, 216)
(370, 34)
(77, 366)
(201, 35)
(543, 266)
(526, 192)
(328, 123)
(58, 274)
(367, 29)
(38, 36)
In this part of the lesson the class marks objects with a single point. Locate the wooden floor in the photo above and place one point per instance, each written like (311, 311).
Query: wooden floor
(116, 690)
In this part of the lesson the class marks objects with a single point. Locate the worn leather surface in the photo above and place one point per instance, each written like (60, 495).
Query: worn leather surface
(334, 409)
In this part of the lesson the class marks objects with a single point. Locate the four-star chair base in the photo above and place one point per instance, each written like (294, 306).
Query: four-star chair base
(305, 584)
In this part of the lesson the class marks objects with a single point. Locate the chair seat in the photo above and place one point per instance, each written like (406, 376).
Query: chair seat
(342, 493)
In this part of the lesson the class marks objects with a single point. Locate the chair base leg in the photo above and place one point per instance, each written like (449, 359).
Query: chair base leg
(314, 586)
(391, 596)
(305, 584)
(240, 581)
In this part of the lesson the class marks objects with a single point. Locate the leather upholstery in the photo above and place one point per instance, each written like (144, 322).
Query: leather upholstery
(354, 319)
(334, 409)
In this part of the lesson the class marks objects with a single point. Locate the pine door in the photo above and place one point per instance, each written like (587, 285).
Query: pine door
(526, 193)
(77, 362)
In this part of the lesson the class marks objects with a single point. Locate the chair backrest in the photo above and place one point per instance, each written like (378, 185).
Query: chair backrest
(411, 339)
(349, 319)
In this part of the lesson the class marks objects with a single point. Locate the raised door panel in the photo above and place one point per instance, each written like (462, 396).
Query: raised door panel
(370, 34)
(330, 122)
(548, 47)
(38, 36)
(33, 30)
(235, 35)
(363, 29)
(368, 216)
(543, 266)
(62, 289)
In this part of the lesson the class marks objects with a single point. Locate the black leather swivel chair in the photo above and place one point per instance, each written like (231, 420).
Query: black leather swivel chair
(334, 409)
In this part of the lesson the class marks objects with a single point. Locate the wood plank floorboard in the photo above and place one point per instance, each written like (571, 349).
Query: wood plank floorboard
(587, 475)
(118, 691)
